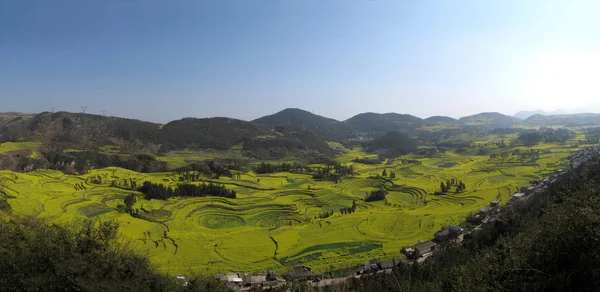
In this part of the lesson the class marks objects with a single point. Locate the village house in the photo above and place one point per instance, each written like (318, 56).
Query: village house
(484, 212)
(517, 196)
(419, 250)
(232, 280)
(527, 189)
(376, 265)
(254, 280)
(453, 233)
(303, 273)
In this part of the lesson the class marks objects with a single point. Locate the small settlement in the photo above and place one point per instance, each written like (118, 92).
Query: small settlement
(414, 254)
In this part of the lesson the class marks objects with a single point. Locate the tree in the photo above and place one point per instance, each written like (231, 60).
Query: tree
(384, 174)
(129, 202)
(443, 187)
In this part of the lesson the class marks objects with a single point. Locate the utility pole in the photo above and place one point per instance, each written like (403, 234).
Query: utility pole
(52, 110)
(83, 108)
(103, 112)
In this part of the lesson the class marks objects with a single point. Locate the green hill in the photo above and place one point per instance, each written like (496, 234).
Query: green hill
(392, 144)
(65, 130)
(326, 128)
(563, 120)
(382, 123)
(490, 120)
(440, 120)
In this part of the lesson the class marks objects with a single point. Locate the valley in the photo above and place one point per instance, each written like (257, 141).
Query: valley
(277, 219)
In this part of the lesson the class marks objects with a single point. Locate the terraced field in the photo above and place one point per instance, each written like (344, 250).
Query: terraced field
(272, 224)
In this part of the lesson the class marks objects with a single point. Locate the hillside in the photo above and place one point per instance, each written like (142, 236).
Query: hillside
(382, 123)
(9, 117)
(440, 120)
(563, 120)
(329, 129)
(87, 141)
(546, 245)
(490, 120)
(392, 144)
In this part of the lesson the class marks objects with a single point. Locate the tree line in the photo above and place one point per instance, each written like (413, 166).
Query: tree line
(162, 192)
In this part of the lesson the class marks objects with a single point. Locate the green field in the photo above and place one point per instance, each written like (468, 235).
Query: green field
(271, 224)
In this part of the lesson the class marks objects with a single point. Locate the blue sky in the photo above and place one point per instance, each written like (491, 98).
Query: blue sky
(160, 60)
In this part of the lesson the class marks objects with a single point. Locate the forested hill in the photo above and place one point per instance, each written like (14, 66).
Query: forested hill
(382, 123)
(490, 120)
(441, 120)
(63, 130)
(326, 128)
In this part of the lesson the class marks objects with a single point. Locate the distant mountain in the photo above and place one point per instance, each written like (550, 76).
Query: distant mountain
(392, 144)
(382, 123)
(440, 120)
(326, 128)
(525, 114)
(490, 120)
(563, 120)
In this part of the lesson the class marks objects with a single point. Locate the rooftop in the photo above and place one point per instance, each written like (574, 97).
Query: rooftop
(425, 245)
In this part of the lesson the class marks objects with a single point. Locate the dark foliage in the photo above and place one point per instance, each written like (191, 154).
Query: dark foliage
(377, 195)
(162, 192)
(87, 257)
(85, 160)
(377, 160)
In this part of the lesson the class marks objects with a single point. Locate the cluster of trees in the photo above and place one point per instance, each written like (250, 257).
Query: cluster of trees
(283, 167)
(377, 195)
(214, 168)
(460, 186)
(162, 192)
(349, 210)
(530, 154)
(79, 187)
(83, 161)
(385, 174)
(324, 215)
(405, 161)
(334, 172)
(592, 135)
(377, 160)
(129, 184)
(534, 137)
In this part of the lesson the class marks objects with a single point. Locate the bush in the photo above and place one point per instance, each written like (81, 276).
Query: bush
(35, 256)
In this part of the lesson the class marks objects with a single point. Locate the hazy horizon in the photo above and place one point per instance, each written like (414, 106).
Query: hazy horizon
(160, 61)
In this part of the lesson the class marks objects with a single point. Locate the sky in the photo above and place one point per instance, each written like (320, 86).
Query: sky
(162, 60)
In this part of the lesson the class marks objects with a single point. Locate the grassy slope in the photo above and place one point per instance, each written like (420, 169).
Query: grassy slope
(219, 235)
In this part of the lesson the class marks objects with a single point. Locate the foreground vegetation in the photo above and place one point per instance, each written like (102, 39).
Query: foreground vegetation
(35, 256)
